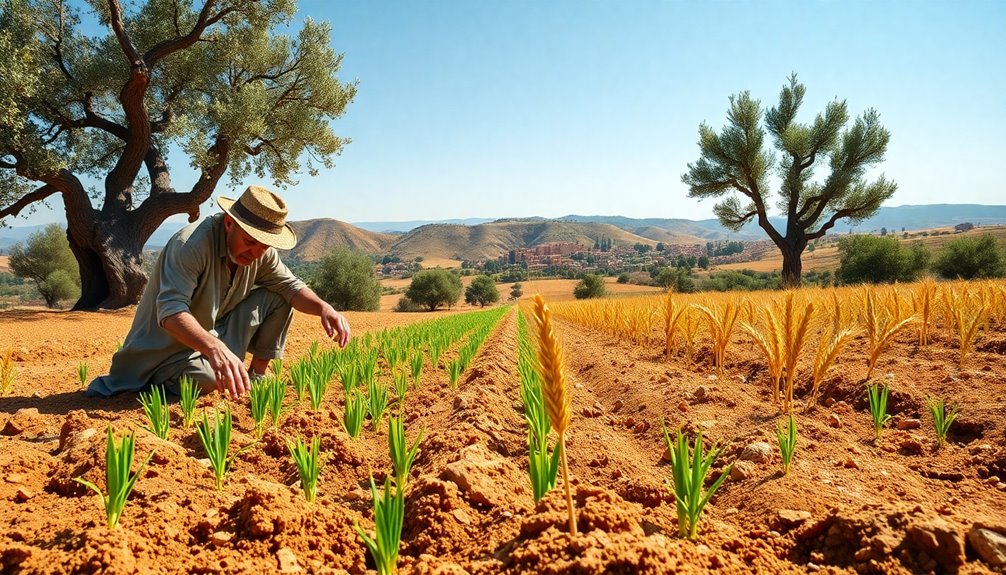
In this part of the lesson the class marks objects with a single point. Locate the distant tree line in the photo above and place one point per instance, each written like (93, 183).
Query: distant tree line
(728, 248)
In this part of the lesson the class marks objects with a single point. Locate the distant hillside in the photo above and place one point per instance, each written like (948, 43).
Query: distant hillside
(930, 216)
(407, 226)
(671, 230)
(316, 237)
(492, 239)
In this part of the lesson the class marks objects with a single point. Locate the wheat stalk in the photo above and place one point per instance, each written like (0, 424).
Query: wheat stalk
(555, 391)
(827, 351)
(797, 325)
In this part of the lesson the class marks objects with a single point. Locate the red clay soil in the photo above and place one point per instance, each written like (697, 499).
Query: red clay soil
(847, 505)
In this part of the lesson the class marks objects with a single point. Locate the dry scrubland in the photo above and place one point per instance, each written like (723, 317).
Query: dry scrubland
(849, 503)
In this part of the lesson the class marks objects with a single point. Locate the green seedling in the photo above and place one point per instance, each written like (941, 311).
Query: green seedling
(402, 455)
(189, 396)
(417, 368)
(454, 371)
(300, 377)
(355, 413)
(877, 395)
(258, 398)
(308, 465)
(276, 366)
(216, 440)
(389, 512)
(276, 394)
(401, 386)
(155, 406)
(317, 386)
(942, 419)
(377, 395)
(688, 477)
(787, 442)
(82, 373)
(118, 463)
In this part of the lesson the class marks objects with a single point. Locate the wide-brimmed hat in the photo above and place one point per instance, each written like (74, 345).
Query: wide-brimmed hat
(262, 214)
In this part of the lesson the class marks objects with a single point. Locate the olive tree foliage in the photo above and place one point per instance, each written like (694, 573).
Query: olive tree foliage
(738, 162)
(482, 291)
(591, 286)
(217, 80)
(434, 288)
(971, 257)
(346, 280)
(872, 259)
(516, 291)
(45, 259)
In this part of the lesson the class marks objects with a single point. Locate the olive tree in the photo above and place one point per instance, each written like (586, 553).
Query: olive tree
(738, 162)
(482, 291)
(217, 80)
(45, 259)
(434, 288)
(590, 286)
(346, 280)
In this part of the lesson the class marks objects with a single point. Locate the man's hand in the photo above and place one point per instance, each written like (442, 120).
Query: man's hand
(335, 325)
(229, 371)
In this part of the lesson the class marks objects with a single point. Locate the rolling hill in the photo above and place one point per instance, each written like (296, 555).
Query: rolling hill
(315, 237)
(492, 239)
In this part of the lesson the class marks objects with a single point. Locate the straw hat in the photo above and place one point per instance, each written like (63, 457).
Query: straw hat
(262, 214)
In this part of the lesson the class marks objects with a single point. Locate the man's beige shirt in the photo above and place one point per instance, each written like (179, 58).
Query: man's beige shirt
(191, 275)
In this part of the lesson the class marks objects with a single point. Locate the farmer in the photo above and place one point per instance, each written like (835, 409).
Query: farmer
(219, 289)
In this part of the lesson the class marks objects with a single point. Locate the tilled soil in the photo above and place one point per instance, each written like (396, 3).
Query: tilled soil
(848, 503)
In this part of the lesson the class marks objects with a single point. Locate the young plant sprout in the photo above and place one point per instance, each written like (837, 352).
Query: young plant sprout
(276, 366)
(401, 386)
(787, 442)
(454, 371)
(155, 405)
(308, 465)
(378, 395)
(189, 396)
(300, 376)
(216, 440)
(877, 394)
(118, 462)
(355, 412)
(688, 478)
(276, 392)
(317, 386)
(82, 373)
(402, 455)
(258, 398)
(7, 372)
(389, 512)
(417, 368)
(942, 419)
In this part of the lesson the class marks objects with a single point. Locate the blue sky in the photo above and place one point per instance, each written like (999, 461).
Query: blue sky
(521, 108)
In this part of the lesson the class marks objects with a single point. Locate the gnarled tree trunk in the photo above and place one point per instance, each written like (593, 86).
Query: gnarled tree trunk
(111, 264)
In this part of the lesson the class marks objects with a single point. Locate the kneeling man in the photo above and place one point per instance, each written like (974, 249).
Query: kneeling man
(219, 290)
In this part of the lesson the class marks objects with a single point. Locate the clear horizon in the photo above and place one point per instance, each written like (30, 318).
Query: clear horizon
(518, 109)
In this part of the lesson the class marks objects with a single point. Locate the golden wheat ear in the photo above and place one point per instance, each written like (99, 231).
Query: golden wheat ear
(555, 391)
(550, 364)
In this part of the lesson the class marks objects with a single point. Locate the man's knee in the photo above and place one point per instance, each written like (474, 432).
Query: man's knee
(199, 372)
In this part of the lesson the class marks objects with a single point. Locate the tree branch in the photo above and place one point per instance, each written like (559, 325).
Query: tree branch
(833, 220)
(206, 19)
(118, 26)
(27, 199)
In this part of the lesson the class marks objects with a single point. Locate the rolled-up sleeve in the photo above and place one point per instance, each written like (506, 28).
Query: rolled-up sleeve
(276, 277)
(181, 263)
